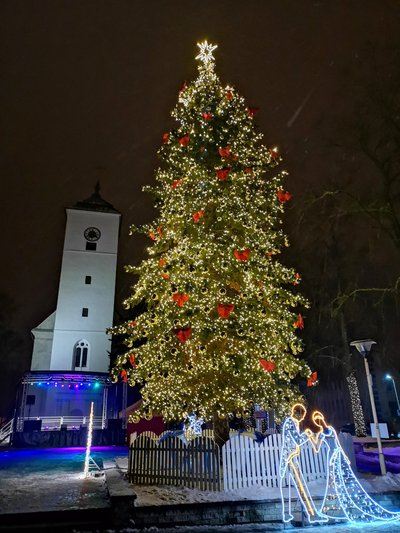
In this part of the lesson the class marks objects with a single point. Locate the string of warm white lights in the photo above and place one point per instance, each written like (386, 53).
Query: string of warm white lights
(356, 407)
(220, 327)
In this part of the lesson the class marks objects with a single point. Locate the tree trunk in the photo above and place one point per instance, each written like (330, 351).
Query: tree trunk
(221, 430)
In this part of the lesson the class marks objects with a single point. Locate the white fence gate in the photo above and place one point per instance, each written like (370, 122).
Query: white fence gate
(246, 463)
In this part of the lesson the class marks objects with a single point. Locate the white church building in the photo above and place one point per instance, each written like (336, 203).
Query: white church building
(71, 350)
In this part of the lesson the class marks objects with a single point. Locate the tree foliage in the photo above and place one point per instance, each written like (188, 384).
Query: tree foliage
(219, 329)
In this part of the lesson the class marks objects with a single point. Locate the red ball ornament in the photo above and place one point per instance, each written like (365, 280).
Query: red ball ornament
(224, 310)
(132, 360)
(296, 278)
(124, 375)
(242, 255)
(229, 95)
(207, 116)
(165, 138)
(183, 334)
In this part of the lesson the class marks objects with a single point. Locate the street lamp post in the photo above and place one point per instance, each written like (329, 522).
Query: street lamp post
(388, 376)
(364, 348)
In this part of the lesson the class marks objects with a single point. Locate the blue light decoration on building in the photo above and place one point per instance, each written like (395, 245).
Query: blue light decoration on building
(68, 382)
(344, 498)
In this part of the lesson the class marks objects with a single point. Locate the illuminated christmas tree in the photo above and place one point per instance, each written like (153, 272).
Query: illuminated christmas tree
(219, 330)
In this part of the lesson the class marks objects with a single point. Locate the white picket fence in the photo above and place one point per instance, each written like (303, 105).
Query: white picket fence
(205, 433)
(247, 463)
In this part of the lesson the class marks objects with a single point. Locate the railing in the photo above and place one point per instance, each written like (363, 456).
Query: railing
(56, 423)
(6, 430)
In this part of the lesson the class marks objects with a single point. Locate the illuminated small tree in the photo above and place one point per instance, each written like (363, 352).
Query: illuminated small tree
(219, 329)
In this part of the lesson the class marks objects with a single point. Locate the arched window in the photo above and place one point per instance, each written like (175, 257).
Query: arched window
(81, 354)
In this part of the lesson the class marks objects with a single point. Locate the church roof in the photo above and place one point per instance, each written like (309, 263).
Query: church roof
(95, 203)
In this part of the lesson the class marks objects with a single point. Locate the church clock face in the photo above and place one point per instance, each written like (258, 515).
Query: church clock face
(92, 234)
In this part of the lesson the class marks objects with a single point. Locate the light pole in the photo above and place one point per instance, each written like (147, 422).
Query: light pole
(388, 376)
(364, 348)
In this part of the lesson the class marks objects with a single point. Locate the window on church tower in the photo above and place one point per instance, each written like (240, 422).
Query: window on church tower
(84, 357)
(88, 280)
(81, 352)
(85, 311)
(91, 245)
(78, 352)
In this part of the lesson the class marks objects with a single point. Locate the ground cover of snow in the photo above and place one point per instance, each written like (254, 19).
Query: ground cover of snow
(168, 495)
(51, 492)
(51, 480)
(58, 488)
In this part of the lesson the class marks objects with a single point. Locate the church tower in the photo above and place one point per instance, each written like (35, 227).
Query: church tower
(85, 304)
(70, 358)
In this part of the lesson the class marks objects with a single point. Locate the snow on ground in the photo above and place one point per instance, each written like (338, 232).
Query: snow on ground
(387, 483)
(57, 490)
(51, 492)
(169, 495)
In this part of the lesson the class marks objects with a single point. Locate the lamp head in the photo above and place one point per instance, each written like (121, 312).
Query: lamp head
(363, 346)
(388, 376)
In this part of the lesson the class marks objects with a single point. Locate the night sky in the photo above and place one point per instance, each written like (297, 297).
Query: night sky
(86, 92)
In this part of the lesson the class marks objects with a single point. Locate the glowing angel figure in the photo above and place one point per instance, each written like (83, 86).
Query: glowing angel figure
(344, 498)
(292, 440)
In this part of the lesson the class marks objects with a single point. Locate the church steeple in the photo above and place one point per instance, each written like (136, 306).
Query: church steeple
(95, 202)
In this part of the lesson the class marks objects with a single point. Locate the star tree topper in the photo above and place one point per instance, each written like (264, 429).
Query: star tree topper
(206, 51)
